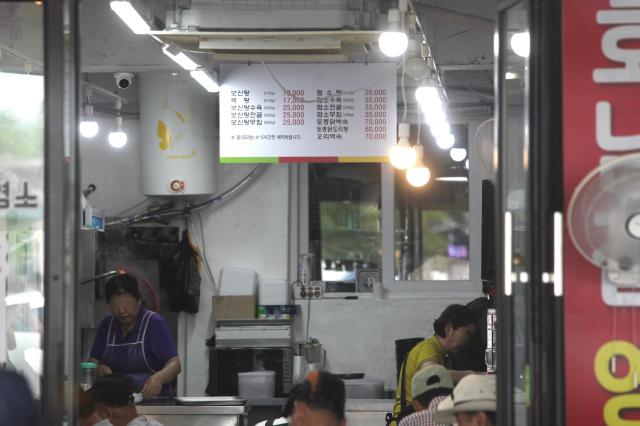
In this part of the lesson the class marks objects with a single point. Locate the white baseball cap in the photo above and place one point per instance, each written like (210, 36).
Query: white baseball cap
(473, 393)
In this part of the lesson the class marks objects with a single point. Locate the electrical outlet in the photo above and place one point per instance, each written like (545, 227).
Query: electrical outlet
(308, 292)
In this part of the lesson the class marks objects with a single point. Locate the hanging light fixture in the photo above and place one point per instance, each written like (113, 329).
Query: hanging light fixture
(402, 155)
(130, 16)
(416, 66)
(458, 154)
(393, 41)
(88, 126)
(178, 56)
(418, 175)
(521, 44)
(117, 137)
(208, 80)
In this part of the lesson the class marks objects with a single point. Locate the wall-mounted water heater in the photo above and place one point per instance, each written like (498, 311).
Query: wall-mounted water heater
(179, 136)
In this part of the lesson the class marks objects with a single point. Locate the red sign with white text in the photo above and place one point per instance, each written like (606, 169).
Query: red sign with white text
(601, 89)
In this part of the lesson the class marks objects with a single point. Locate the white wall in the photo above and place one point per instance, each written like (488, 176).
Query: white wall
(359, 335)
(251, 231)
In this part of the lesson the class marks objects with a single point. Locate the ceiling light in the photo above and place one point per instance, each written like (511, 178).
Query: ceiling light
(415, 66)
(418, 175)
(453, 179)
(445, 141)
(458, 154)
(130, 16)
(440, 129)
(88, 126)
(393, 42)
(178, 56)
(207, 80)
(510, 75)
(117, 137)
(466, 164)
(426, 94)
(402, 155)
(520, 44)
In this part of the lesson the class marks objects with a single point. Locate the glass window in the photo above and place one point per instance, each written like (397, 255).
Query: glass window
(431, 223)
(344, 221)
(431, 232)
(21, 188)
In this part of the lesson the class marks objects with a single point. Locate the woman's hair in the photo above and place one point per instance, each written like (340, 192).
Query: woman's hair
(457, 315)
(122, 284)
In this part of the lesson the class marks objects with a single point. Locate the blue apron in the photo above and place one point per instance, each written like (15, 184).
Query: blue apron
(130, 358)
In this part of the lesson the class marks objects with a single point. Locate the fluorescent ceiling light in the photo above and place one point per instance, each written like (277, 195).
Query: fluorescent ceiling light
(176, 54)
(206, 80)
(453, 179)
(33, 298)
(130, 16)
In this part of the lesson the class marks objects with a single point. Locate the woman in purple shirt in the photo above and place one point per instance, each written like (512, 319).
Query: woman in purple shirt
(135, 341)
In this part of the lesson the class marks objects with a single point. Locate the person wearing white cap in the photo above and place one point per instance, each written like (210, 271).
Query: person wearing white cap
(473, 402)
(429, 387)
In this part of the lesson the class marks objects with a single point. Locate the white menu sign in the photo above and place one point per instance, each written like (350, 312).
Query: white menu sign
(329, 112)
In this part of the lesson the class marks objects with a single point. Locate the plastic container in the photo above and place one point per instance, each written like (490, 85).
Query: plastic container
(257, 384)
(87, 374)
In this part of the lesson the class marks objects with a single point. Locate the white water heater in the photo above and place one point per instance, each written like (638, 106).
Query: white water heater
(178, 135)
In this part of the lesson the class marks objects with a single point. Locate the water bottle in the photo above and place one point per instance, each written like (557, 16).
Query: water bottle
(87, 375)
(304, 268)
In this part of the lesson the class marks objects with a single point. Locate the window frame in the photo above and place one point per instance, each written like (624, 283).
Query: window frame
(299, 230)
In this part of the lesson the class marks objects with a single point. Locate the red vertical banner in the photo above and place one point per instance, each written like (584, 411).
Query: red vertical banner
(601, 90)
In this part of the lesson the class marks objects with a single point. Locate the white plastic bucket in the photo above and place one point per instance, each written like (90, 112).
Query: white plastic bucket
(257, 384)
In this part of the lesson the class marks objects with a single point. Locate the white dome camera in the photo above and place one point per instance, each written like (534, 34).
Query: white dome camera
(123, 79)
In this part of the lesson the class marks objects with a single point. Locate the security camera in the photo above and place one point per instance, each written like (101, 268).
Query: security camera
(123, 79)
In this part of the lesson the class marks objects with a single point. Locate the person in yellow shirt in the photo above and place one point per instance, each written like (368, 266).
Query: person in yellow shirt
(453, 330)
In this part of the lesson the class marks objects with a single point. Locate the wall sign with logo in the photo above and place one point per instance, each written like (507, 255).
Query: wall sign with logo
(601, 90)
(328, 113)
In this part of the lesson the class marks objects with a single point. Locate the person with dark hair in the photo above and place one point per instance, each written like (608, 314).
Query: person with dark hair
(429, 387)
(112, 397)
(17, 406)
(318, 401)
(135, 341)
(453, 330)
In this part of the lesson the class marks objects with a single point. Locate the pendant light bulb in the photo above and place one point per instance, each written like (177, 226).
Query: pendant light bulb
(117, 137)
(521, 44)
(402, 155)
(418, 175)
(89, 127)
(393, 42)
(458, 154)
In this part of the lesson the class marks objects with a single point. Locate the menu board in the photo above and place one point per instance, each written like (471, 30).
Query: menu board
(326, 113)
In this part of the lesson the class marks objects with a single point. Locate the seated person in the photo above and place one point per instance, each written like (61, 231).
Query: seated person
(453, 330)
(112, 396)
(17, 406)
(317, 401)
(472, 403)
(429, 387)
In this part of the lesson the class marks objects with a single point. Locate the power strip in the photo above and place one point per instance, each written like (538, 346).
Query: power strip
(309, 292)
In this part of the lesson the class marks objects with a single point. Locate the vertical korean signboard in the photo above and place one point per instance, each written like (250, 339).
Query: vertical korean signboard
(307, 113)
(601, 89)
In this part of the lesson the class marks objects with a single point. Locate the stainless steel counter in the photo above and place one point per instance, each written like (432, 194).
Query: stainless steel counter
(197, 415)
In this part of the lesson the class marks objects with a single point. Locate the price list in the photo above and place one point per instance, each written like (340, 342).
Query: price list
(375, 114)
(320, 115)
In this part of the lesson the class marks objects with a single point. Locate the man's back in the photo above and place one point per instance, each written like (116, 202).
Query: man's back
(424, 417)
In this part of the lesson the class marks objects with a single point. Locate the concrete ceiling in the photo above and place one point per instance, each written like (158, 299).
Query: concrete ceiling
(460, 33)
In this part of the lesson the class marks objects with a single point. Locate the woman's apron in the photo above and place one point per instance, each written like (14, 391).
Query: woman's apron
(130, 358)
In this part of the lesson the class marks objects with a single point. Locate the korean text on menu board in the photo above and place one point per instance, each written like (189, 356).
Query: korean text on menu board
(326, 111)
